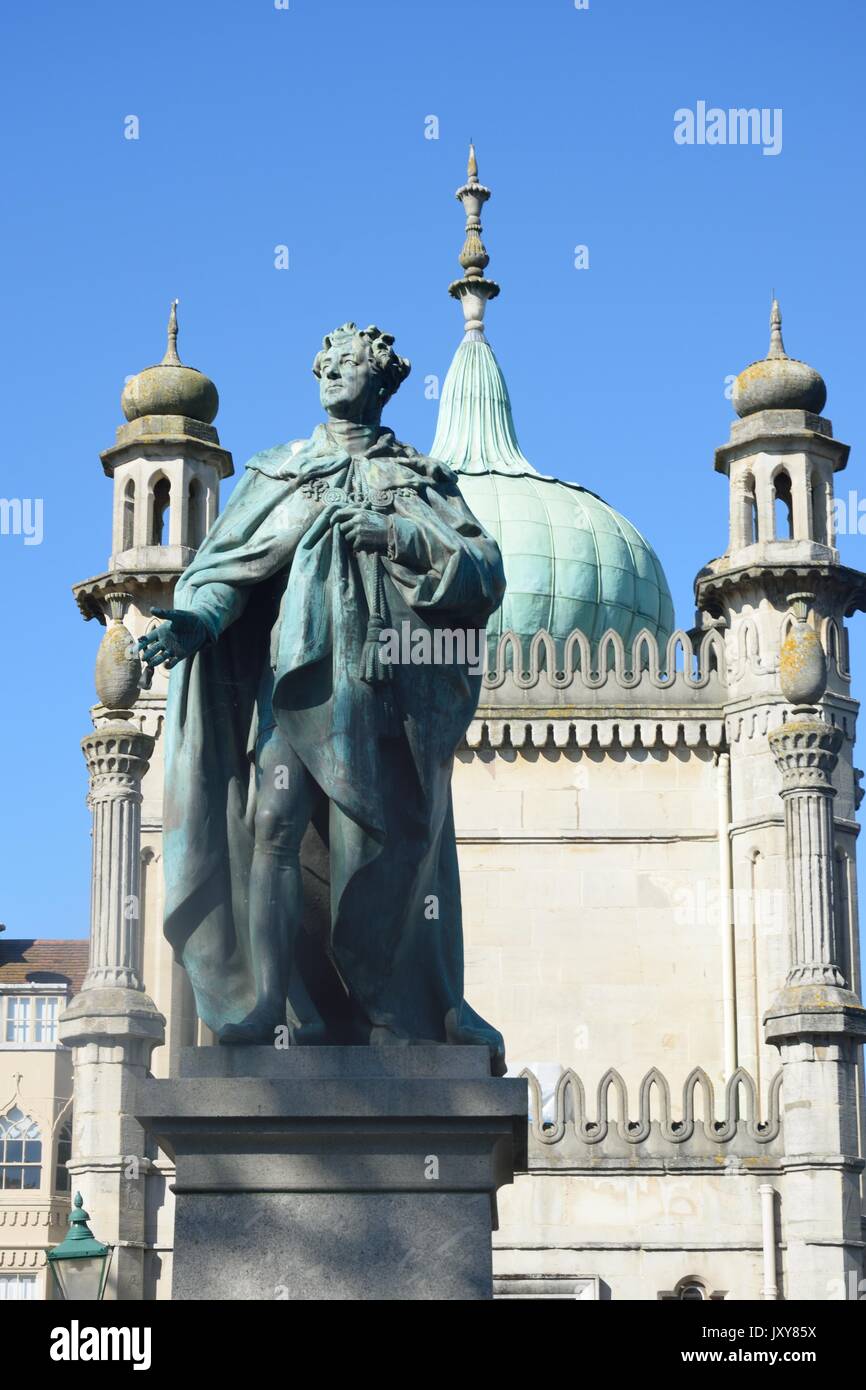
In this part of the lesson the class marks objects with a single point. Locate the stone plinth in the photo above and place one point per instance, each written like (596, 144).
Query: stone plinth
(336, 1172)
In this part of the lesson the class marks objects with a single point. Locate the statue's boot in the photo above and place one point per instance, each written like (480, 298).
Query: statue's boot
(259, 1026)
(380, 1036)
(468, 1029)
(313, 1034)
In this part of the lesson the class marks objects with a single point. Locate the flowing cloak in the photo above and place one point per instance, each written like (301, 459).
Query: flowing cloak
(284, 601)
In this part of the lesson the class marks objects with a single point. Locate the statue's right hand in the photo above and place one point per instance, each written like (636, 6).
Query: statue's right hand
(178, 636)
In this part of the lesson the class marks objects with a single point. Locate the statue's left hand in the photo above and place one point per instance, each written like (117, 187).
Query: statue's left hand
(179, 635)
(363, 529)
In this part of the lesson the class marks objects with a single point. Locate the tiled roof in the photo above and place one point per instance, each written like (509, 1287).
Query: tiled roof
(25, 961)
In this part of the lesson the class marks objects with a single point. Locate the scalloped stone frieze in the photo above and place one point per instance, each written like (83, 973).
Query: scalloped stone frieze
(564, 1121)
(689, 670)
(592, 666)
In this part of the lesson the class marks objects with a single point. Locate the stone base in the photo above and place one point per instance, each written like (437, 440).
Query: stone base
(336, 1172)
(814, 1009)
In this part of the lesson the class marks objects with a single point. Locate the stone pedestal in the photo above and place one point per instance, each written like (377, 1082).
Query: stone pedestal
(336, 1172)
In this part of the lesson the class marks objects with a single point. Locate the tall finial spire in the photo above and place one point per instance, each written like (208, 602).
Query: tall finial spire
(777, 381)
(473, 290)
(170, 388)
(171, 358)
(777, 347)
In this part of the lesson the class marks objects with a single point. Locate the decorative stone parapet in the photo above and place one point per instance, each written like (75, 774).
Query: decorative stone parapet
(562, 1134)
(577, 671)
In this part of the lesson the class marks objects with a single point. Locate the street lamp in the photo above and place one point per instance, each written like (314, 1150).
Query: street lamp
(80, 1263)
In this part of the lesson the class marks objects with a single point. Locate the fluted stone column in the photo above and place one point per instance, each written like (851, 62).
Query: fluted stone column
(117, 758)
(816, 1021)
(806, 751)
(112, 1025)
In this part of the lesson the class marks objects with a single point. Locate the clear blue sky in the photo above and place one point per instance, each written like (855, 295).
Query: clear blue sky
(306, 127)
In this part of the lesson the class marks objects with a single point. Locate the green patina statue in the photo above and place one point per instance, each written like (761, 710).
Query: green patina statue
(297, 757)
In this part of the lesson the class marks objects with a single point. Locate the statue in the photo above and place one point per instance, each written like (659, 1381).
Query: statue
(285, 722)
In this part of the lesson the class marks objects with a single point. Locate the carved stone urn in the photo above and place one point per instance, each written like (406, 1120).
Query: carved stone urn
(117, 665)
(802, 664)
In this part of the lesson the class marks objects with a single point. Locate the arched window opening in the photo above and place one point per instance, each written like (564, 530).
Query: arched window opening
(197, 520)
(693, 1289)
(159, 530)
(842, 905)
(64, 1153)
(128, 532)
(818, 497)
(692, 1293)
(783, 508)
(750, 511)
(20, 1152)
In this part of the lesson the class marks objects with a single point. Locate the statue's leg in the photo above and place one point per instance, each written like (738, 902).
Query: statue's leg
(284, 804)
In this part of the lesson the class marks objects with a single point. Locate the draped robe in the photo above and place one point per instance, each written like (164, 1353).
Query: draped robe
(283, 597)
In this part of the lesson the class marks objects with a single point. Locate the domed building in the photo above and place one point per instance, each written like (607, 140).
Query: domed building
(657, 852)
(571, 561)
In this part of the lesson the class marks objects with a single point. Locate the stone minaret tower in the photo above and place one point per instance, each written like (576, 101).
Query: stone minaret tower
(166, 466)
(780, 593)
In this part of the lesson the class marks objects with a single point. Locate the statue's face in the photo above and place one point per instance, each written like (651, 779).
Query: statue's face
(350, 385)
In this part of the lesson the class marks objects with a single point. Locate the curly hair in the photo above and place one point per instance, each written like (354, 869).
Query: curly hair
(392, 369)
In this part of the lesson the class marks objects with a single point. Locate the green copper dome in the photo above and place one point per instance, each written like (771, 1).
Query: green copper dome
(571, 561)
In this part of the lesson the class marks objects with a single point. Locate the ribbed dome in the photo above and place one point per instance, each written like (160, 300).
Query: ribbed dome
(778, 382)
(571, 561)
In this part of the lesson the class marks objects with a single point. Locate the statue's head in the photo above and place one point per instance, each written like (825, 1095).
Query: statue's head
(358, 372)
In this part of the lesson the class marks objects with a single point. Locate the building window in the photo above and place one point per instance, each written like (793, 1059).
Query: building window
(819, 511)
(783, 507)
(30, 1018)
(691, 1293)
(196, 524)
(750, 511)
(17, 1018)
(20, 1152)
(128, 537)
(14, 1287)
(46, 1019)
(64, 1153)
(160, 524)
(693, 1290)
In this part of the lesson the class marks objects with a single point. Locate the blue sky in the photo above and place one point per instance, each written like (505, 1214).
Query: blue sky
(305, 127)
